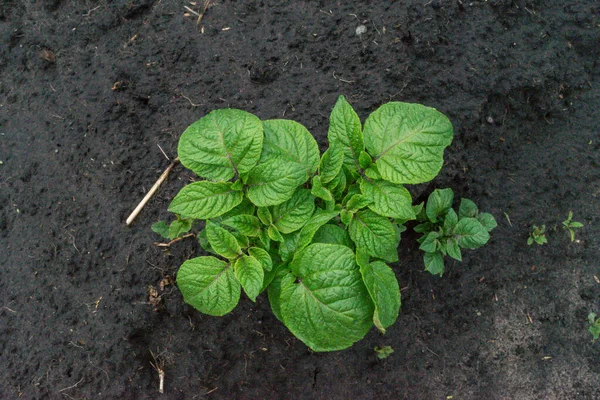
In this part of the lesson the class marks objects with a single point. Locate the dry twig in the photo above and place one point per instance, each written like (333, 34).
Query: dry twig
(151, 192)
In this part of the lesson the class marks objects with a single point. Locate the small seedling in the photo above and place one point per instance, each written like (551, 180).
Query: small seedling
(571, 225)
(175, 229)
(445, 231)
(315, 231)
(383, 352)
(537, 235)
(594, 325)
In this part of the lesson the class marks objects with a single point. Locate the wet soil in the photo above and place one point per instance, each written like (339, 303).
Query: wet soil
(90, 90)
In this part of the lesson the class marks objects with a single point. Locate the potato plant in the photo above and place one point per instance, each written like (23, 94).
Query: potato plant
(315, 231)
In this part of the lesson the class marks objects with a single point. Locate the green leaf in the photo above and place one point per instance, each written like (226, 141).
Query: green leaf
(488, 221)
(375, 234)
(274, 289)
(262, 256)
(179, 227)
(245, 207)
(264, 238)
(407, 141)
(388, 199)
(271, 183)
(333, 234)
(291, 142)
(345, 131)
(450, 221)
(358, 201)
(274, 234)
(434, 263)
(205, 200)
(325, 304)
(209, 285)
(249, 272)
(242, 240)
(161, 228)
(431, 242)
(346, 216)
(453, 249)
(338, 185)
(424, 227)
(221, 241)
(439, 203)
(384, 352)
(331, 163)
(364, 160)
(247, 225)
(372, 173)
(294, 213)
(383, 287)
(222, 144)
(203, 241)
(264, 214)
(467, 209)
(470, 233)
(318, 219)
(319, 191)
(288, 247)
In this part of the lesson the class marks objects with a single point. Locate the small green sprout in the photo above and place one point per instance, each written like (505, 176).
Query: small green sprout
(538, 235)
(594, 325)
(570, 225)
(177, 228)
(383, 352)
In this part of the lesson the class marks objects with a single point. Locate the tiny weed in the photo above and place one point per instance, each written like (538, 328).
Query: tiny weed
(571, 225)
(538, 235)
(383, 352)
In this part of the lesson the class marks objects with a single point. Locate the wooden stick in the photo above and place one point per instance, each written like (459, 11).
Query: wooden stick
(151, 192)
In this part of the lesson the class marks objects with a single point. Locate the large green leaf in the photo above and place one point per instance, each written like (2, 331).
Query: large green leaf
(274, 289)
(221, 241)
(488, 221)
(288, 247)
(246, 224)
(407, 141)
(249, 272)
(274, 182)
(294, 213)
(438, 203)
(470, 233)
(331, 163)
(324, 302)
(375, 234)
(345, 132)
(434, 263)
(383, 287)
(292, 142)
(318, 219)
(204, 200)
(221, 145)
(333, 234)
(289, 157)
(388, 199)
(209, 285)
(263, 256)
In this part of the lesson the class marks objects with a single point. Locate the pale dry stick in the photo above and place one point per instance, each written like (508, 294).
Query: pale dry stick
(151, 192)
(206, 5)
(159, 367)
(174, 240)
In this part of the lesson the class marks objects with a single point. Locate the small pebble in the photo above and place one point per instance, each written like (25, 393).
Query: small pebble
(490, 120)
(361, 29)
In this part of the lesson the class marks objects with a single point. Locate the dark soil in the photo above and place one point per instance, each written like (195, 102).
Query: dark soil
(89, 90)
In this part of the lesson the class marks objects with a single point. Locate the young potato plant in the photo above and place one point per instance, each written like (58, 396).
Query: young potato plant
(445, 231)
(316, 231)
